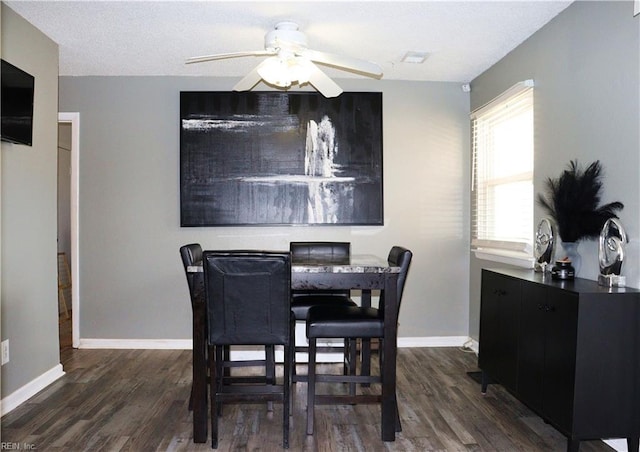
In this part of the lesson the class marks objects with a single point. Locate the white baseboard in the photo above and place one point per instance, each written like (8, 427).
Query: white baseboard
(36, 385)
(432, 341)
(186, 344)
(137, 344)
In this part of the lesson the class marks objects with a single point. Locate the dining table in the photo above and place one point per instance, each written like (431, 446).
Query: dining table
(363, 272)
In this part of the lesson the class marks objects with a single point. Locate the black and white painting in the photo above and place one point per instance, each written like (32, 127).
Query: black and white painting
(272, 158)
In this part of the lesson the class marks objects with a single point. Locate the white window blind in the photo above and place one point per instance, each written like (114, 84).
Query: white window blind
(502, 140)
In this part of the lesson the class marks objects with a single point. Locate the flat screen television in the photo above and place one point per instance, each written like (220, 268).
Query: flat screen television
(17, 105)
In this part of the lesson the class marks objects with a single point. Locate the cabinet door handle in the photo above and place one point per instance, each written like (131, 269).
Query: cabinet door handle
(541, 307)
(499, 292)
(550, 308)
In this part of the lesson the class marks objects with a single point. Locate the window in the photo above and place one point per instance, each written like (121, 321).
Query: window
(502, 140)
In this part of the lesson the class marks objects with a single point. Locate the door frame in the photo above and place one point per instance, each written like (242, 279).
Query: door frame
(74, 120)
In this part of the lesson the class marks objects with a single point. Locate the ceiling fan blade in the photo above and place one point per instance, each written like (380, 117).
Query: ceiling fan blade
(222, 56)
(322, 82)
(250, 80)
(344, 62)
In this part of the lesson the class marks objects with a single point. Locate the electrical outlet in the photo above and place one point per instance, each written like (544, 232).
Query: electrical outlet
(5, 351)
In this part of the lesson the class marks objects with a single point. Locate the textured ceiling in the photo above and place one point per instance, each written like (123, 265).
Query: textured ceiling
(463, 39)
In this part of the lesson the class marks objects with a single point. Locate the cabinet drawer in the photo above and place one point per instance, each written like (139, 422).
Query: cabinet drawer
(499, 314)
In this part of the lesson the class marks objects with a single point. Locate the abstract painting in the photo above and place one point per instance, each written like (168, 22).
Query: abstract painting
(272, 158)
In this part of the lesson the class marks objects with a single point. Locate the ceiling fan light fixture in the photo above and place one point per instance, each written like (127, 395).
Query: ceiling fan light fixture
(275, 71)
(283, 71)
(290, 61)
(300, 70)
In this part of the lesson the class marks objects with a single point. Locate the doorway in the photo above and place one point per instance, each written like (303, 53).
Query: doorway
(65, 285)
(68, 206)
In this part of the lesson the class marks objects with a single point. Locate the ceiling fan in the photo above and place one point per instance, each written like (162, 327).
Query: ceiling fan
(290, 61)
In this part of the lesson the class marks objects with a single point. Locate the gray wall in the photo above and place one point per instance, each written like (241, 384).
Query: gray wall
(132, 285)
(29, 287)
(586, 66)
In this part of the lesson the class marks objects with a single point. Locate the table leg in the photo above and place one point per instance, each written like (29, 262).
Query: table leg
(365, 343)
(389, 348)
(199, 375)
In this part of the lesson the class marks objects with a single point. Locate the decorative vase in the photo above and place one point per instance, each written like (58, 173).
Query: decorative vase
(571, 251)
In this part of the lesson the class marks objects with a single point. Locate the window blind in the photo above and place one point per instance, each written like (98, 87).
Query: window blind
(502, 175)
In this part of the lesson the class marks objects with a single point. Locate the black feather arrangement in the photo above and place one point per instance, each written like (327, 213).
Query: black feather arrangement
(572, 201)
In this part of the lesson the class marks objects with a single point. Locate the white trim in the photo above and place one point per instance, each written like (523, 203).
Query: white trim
(505, 257)
(514, 90)
(251, 353)
(136, 344)
(36, 385)
(432, 341)
(187, 344)
(74, 120)
(510, 245)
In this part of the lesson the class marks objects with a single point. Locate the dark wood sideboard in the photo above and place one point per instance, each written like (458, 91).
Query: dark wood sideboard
(569, 350)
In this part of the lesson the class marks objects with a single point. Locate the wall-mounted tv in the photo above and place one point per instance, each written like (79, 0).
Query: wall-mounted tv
(17, 105)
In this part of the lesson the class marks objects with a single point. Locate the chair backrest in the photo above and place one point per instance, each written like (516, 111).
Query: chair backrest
(400, 257)
(248, 297)
(334, 252)
(191, 254)
(330, 252)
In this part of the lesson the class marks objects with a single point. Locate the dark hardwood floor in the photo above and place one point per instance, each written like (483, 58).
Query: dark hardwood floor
(136, 400)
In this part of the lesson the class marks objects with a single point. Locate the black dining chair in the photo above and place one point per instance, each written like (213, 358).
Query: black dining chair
(302, 300)
(191, 255)
(350, 323)
(248, 302)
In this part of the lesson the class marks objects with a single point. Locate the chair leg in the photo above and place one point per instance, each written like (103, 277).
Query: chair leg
(346, 360)
(380, 362)
(311, 385)
(226, 355)
(294, 372)
(220, 359)
(365, 358)
(213, 364)
(286, 396)
(221, 354)
(270, 357)
(353, 357)
(270, 369)
(292, 367)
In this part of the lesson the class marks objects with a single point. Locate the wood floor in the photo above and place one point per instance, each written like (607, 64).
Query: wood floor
(136, 400)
